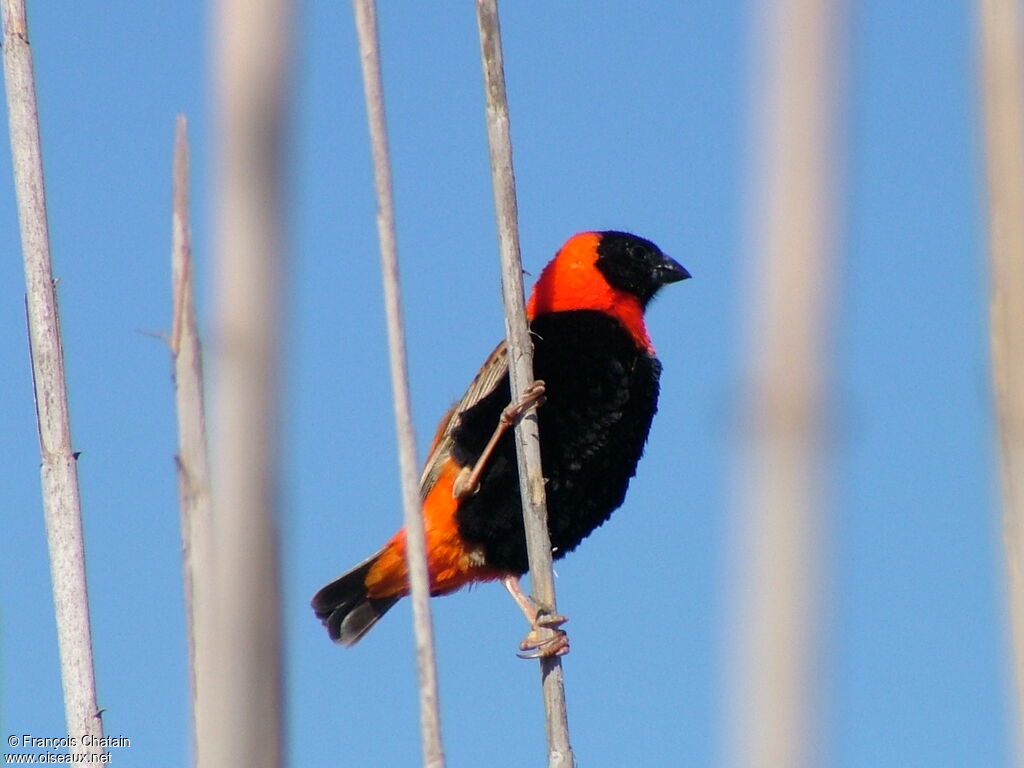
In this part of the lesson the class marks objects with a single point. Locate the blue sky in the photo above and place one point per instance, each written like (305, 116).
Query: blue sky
(635, 119)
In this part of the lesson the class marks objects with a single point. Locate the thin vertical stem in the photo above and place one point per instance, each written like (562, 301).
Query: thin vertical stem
(252, 57)
(430, 718)
(192, 459)
(520, 350)
(61, 503)
(782, 503)
(1002, 86)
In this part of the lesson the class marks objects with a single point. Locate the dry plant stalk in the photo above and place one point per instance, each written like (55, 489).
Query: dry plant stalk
(1002, 83)
(430, 717)
(192, 459)
(252, 58)
(61, 503)
(782, 516)
(520, 354)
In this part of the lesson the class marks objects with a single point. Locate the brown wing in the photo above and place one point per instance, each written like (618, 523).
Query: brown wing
(494, 369)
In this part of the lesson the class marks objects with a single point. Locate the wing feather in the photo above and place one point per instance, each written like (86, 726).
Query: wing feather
(494, 369)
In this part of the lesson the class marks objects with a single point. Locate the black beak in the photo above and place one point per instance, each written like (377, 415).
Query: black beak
(671, 271)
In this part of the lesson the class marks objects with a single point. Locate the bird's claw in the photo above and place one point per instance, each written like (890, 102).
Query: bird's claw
(550, 620)
(533, 647)
(545, 639)
(468, 481)
(532, 396)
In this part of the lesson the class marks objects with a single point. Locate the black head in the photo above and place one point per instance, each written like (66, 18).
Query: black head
(636, 265)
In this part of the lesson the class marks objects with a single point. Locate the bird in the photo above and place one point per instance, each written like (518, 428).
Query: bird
(595, 397)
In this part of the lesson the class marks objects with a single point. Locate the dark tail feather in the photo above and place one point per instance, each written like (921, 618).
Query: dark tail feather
(346, 609)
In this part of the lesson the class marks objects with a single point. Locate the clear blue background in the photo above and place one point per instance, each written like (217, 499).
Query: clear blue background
(633, 117)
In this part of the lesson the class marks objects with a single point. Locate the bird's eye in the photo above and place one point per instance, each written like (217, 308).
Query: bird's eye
(638, 253)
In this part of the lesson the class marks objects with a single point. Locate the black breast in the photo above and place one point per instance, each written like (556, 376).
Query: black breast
(602, 392)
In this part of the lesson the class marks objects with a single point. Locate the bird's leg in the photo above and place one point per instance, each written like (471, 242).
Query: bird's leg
(468, 481)
(545, 638)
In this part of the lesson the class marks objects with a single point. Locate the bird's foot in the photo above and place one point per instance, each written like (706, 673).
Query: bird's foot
(468, 481)
(532, 396)
(545, 639)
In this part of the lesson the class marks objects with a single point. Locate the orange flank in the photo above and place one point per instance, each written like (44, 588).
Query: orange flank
(451, 561)
(571, 281)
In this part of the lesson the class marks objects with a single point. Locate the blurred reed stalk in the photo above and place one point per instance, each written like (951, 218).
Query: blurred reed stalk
(430, 717)
(1002, 88)
(61, 503)
(520, 356)
(782, 516)
(193, 458)
(252, 57)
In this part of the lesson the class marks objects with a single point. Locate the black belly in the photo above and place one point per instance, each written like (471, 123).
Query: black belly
(602, 392)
